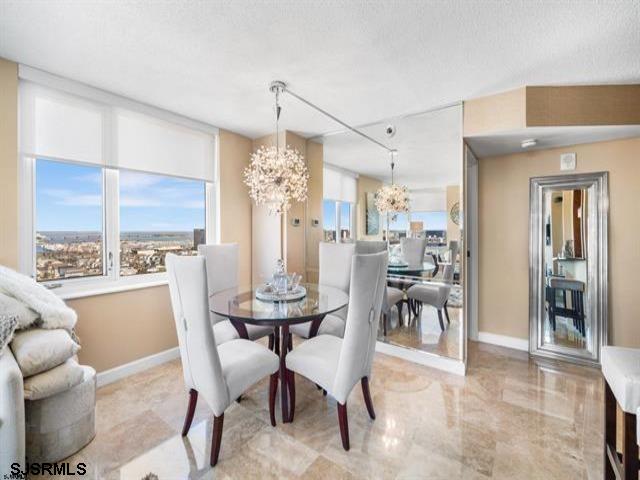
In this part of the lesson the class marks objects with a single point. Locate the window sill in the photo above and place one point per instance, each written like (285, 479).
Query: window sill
(71, 292)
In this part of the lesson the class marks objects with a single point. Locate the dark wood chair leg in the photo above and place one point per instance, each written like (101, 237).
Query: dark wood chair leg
(446, 312)
(191, 409)
(367, 397)
(273, 390)
(440, 319)
(610, 453)
(384, 324)
(276, 341)
(630, 461)
(239, 399)
(324, 392)
(400, 319)
(290, 343)
(344, 425)
(291, 385)
(216, 439)
(272, 340)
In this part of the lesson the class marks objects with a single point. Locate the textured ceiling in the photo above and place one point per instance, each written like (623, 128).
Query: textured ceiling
(362, 60)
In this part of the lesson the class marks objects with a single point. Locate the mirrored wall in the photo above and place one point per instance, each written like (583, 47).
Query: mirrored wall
(424, 308)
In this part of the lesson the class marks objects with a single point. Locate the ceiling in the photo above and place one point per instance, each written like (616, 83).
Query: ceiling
(546, 137)
(364, 61)
(429, 150)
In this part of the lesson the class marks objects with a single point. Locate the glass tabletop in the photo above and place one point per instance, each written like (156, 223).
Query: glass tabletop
(241, 304)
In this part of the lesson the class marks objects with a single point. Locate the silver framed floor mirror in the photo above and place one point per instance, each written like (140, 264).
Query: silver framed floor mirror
(568, 266)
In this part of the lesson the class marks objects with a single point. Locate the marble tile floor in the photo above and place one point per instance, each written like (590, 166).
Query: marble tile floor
(424, 333)
(509, 418)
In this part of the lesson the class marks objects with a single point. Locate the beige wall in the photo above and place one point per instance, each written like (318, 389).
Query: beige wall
(552, 106)
(366, 185)
(121, 327)
(235, 208)
(504, 111)
(296, 247)
(8, 163)
(314, 235)
(503, 280)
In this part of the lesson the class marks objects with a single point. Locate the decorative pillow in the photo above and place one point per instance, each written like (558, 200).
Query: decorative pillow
(7, 327)
(37, 349)
(56, 380)
(12, 307)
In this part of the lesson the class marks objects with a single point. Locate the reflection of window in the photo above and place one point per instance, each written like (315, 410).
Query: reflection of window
(398, 226)
(329, 220)
(68, 221)
(345, 222)
(158, 215)
(434, 226)
(337, 221)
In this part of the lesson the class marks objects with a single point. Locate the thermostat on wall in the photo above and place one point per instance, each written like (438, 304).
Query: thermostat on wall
(568, 161)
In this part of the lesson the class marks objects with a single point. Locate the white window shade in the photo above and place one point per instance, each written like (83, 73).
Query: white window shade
(434, 200)
(339, 185)
(64, 120)
(147, 144)
(60, 126)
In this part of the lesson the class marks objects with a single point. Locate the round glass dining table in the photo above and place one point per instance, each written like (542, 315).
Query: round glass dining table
(241, 307)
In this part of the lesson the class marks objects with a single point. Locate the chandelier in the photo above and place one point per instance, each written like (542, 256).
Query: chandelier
(276, 176)
(392, 199)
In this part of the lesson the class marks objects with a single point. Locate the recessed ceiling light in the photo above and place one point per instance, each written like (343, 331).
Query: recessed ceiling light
(530, 142)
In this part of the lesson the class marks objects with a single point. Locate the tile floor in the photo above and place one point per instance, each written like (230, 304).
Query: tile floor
(509, 418)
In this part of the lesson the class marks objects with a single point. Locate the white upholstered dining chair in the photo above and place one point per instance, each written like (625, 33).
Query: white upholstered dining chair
(413, 250)
(337, 364)
(220, 373)
(335, 271)
(222, 274)
(393, 296)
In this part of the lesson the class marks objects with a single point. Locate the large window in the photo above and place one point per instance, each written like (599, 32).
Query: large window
(329, 220)
(68, 221)
(110, 187)
(345, 222)
(398, 226)
(158, 215)
(434, 226)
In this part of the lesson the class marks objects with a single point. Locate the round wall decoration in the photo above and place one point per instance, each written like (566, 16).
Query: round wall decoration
(454, 213)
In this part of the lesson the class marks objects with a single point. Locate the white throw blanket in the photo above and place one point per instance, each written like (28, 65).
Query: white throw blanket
(54, 313)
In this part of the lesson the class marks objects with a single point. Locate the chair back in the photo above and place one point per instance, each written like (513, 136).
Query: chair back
(222, 269)
(370, 246)
(368, 280)
(200, 361)
(375, 246)
(413, 250)
(335, 265)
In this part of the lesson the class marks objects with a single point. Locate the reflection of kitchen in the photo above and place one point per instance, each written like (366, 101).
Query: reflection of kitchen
(565, 265)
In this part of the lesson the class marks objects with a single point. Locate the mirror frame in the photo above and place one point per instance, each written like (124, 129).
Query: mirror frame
(597, 267)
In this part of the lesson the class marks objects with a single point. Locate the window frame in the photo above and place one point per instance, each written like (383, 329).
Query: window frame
(111, 280)
(338, 228)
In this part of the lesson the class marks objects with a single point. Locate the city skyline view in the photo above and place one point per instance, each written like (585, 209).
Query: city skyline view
(69, 197)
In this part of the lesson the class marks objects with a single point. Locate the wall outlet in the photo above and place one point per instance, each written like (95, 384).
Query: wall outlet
(568, 161)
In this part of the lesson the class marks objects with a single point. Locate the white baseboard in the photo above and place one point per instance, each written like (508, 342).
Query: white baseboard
(504, 341)
(450, 365)
(122, 371)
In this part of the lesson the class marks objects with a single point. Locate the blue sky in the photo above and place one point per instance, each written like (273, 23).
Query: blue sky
(431, 220)
(69, 197)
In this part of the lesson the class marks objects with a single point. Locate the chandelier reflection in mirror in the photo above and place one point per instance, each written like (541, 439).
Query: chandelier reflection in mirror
(277, 176)
(392, 199)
